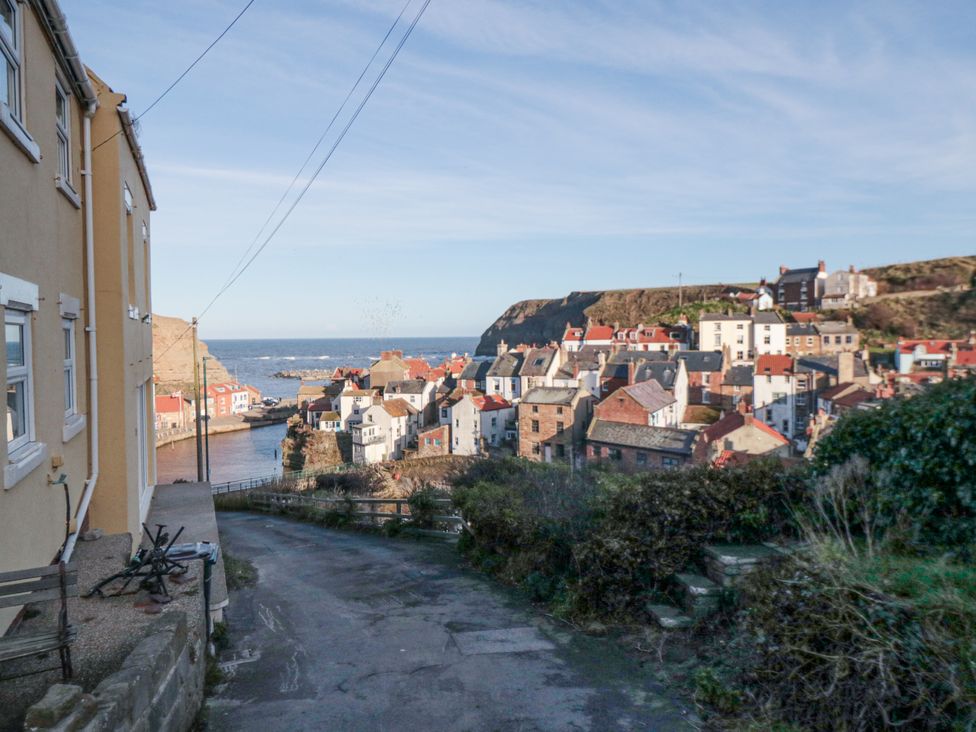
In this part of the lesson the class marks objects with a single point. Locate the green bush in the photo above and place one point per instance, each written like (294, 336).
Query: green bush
(923, 451)
(424, 506)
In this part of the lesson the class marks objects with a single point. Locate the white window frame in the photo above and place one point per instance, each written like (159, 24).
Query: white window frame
(70, 367)
(61, 96)
(10, 47)
(25, 374)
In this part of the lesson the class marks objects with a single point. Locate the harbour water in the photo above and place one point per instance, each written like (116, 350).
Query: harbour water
(237, 455)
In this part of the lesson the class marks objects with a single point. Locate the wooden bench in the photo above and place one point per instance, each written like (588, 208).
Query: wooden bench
(41, 584)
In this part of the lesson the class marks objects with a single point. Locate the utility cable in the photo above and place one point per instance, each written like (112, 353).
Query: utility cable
(180, 78)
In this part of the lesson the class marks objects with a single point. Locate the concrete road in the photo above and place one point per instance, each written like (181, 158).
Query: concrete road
(348, 631)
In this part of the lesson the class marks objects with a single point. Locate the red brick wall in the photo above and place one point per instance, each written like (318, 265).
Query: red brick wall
(547, 416)
(620, 407)
(442, 433)
(628, 457)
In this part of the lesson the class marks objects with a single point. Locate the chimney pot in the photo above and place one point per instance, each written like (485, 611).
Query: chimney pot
(783, 269)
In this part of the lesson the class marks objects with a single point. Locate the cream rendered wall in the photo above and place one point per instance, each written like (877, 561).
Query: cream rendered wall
(124, 343)
(42, 242)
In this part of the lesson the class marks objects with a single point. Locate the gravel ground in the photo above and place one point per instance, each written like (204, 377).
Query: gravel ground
(108, 628)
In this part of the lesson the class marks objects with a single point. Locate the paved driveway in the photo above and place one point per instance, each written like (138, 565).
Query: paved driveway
(348, 631)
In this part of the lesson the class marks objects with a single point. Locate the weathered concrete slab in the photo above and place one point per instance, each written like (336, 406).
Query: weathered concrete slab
(669, 617)
(503, 640)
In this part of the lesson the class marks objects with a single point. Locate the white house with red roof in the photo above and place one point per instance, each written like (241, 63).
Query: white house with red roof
(478, 422)
(774, 393)
(572, 338)
(598, 335)
(931, 355)
(651, 338)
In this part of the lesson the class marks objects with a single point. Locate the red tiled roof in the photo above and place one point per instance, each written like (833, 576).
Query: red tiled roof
(733, 421)
(837, 390)
(169, 404)
(490, 403)
(966, 358)
(419, 368)
(805, 317)
(599, 333)
(573, 334)
(933, 347)
(775, 365)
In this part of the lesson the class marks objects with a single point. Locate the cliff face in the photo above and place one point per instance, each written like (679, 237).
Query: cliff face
(541, 321)
(173, 356)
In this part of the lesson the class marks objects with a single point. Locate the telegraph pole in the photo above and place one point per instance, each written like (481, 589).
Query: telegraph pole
(680, 293)
(196, 402)
(206, 418)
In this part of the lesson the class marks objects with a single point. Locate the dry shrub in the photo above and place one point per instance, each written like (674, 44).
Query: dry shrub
(838, 649)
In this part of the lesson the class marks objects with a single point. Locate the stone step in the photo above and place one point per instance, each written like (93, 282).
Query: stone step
(669, 617)
(725, 563)
(698, 594)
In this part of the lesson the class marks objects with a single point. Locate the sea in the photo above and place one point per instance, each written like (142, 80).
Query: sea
(257, 452)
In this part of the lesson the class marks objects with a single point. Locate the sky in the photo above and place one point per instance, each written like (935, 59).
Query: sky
(527, 149)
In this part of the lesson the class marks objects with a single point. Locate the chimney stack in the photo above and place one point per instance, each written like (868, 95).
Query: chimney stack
(845, 368)
(852, 269)
(783, 269)
(502, 347)
(822, 266)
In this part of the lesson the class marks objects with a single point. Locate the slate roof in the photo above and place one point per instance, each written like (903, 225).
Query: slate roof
(738, 376)
(800, 329)
(507, 365)
(663, 372)
(408, 386)
(767, 317)
(650, 395)
(804, 274)
(828, 365)
(476, 370)
(832, 327)
(538, 361)
(549, 395)
(711, 317)
(663, 439)
(701, 360)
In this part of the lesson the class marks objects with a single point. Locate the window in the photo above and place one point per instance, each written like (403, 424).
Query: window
(444, 413)
(20, 386)
(126, 197)
(62, 111)
(766, 340)
(718, 339)
(70, 396)
(560, 428)
(670, 462)
(560, 451)
(597, 450)
(10, 57)
(457, 423)
(559, 410)
(738, 326)
(849, 339)
(535, 425)
(642, 458)
(494, 421)
(535, 409)
(615, 453)
(535, 449)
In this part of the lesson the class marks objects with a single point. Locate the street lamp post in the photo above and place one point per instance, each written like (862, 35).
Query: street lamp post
(206, 417)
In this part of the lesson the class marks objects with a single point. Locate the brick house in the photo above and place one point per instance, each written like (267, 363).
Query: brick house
(552, 423)
(739, 434)
(736, 387)
(389, 367)
(638, 447)
(434, 441)
(836, 336)
(800, 289)
(646, 403)
(802, 339)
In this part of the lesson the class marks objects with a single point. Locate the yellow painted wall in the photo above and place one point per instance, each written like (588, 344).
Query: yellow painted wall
(42, 241)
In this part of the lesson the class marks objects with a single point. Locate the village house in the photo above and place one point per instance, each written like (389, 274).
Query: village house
(385, 430)
(731, 331)
(478, 423)
(738, 437)
(389, 367)
(472, 378)
(843, 397)
(318, 410)
(434, 441)
(56, 276)
(228, 399)
(504, 375)
(539, 367)
(415, 392)
(572, 338)
(768, 334)
(646, 403)
(352, 404)
(705, 373)
(552, 423)
(775, 393)
(913, 355)
(308, 393)
(800, 289)
(736, 387)
(802, 339)
(846, 289)
(173, 412)
(836, 336)
(636, 447)
(582, 368)
(672, 376)
(598, 336)
(651, 338)
(356, 376)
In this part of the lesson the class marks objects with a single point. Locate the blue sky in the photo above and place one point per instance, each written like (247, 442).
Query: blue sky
(528, 149)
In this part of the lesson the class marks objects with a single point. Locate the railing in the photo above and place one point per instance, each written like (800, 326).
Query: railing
(400, 511)
(260, 481)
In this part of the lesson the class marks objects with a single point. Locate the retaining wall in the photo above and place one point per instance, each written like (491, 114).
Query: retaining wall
(159, 687)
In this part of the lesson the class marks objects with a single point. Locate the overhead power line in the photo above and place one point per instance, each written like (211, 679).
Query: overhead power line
(318, 142)
(318, 170)
(180, 78)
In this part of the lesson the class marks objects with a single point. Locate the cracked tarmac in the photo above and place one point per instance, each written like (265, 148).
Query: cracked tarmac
(352, 631)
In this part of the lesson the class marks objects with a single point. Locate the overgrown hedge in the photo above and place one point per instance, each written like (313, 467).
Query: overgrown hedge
(923, 450)
(610, 539)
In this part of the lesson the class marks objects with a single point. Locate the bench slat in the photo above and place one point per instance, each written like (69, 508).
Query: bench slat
(15, 588)
(38, 596)
(70, 568)
(40, 645)
(17, 644)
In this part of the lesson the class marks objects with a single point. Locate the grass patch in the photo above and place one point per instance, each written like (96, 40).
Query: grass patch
(240, 573)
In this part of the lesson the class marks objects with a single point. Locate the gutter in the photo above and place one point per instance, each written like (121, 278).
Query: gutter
(92, 481)
(130, 135)
(57, 28)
